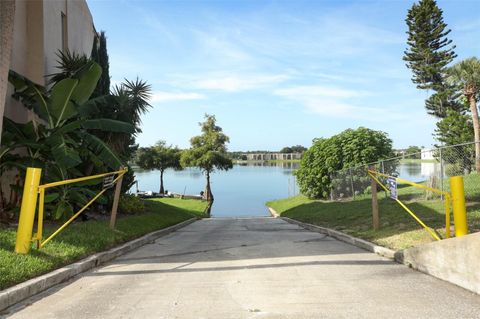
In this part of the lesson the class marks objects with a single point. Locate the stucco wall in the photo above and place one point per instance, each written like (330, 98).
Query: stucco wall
(79, 28)
(37, 39)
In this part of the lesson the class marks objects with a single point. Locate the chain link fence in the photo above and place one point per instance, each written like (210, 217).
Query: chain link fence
(429, 167)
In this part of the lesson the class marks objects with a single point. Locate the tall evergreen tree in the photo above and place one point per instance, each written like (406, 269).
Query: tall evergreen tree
(428, 54)
(100, 55)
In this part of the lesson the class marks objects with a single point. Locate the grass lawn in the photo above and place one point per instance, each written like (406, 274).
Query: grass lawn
(85, 238)
(398, 229)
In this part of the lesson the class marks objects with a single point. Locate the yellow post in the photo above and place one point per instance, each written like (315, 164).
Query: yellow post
(458, 203)
(27, 210)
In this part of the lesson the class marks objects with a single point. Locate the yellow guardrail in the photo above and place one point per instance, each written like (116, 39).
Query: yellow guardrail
(33, 191)
(373, 174)
(456, 199)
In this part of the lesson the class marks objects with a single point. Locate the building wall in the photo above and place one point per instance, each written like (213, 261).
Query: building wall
(37, 37)
(7, 15)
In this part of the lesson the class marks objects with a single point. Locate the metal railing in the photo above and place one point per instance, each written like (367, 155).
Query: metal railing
(33, 191)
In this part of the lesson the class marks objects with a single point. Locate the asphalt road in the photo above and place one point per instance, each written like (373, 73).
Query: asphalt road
(251, 268)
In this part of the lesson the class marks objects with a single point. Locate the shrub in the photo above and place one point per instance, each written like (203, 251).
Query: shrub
(130, 204)
(329, 155)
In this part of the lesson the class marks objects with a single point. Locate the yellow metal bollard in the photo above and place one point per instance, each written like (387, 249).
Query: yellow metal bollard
(27, 211)
(458, 203)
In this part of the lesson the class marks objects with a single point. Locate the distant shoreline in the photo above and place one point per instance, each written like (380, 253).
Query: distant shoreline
(266, 161)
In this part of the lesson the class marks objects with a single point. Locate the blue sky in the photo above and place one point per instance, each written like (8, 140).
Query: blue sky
(275, 73)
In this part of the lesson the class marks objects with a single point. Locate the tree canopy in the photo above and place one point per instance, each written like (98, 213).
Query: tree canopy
(293, 149)
(161, 157)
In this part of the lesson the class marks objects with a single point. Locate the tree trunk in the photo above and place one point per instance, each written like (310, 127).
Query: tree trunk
(161, 182)
(476, 129)
(208, 190)
(7, 14)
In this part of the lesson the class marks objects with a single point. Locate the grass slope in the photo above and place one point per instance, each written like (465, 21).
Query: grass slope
(85, 238)
(398, 229)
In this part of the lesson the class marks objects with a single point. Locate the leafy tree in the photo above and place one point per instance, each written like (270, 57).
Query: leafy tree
(161, 157)
(344, 150)
(293, 149)
(455, 130)
(298, 149)
(428, 54)
(287, 150)
(208, 151)
(58, 142)
(465, 75)
(414, 150)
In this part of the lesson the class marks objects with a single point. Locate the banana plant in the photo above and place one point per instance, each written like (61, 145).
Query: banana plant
(59, 139)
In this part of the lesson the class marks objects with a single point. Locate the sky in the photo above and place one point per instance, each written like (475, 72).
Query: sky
(275, 73)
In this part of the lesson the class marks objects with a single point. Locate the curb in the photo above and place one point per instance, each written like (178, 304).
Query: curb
(273, 212)
(29, 288)
(360, 243)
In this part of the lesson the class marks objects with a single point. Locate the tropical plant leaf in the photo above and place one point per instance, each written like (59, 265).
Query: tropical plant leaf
(51, 197)
(61, 107)
(109, 125)
(63, 154)
(104, 153)
(87, 81)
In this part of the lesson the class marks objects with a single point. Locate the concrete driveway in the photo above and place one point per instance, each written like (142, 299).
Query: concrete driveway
(251, 268)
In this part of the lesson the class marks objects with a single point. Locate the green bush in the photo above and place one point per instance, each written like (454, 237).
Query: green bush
(327, 156)
(130, 204)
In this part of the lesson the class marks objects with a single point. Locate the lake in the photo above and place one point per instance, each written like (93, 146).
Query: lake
(243, 190)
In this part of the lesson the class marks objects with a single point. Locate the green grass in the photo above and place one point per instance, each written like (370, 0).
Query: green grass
(85, 238)
(398, 229)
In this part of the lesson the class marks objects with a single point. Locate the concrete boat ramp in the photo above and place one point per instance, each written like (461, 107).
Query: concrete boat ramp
(251, 268)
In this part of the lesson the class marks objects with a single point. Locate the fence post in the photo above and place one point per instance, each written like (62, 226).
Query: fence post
(116, 198)
(458, 203)
(351, 182)
(27, 210)
(383, 172)
(375, 215)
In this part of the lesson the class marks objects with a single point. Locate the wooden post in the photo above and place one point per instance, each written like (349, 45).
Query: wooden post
(116, 198)
(375, 216)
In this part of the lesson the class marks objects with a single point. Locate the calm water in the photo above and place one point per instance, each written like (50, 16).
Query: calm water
(241, 191)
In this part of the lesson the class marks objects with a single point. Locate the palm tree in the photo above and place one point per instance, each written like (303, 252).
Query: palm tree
(7, 13)
(466, 75)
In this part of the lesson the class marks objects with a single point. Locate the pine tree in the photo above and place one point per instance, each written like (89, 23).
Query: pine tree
(428, 54)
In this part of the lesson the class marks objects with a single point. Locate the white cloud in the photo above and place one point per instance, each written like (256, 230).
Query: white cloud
(319, 91)
(234, 83)
(337, 102)
(339, 109)
(162, 96)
